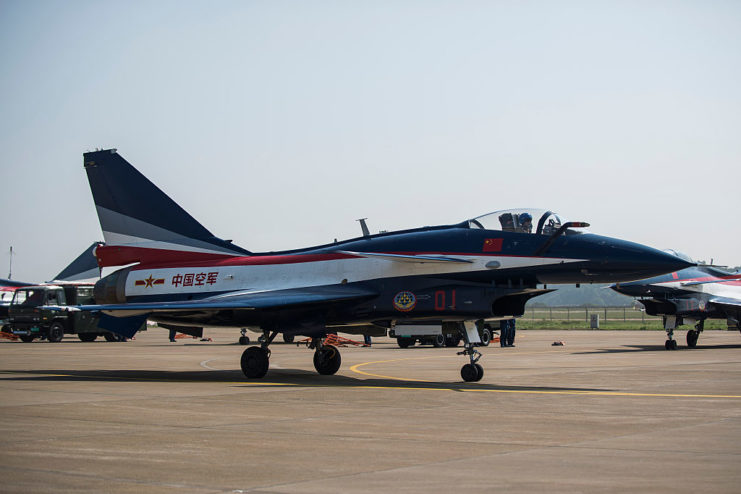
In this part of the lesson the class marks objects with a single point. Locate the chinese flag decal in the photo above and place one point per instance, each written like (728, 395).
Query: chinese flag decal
(493, 245)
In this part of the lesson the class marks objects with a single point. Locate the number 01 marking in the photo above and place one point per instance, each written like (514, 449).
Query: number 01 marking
(440, 300)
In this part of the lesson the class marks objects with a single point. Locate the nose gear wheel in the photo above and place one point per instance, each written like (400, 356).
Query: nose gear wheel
(473, 371)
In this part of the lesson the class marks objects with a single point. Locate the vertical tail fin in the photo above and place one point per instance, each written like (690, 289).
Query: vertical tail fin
(84, 267)
(141, 223)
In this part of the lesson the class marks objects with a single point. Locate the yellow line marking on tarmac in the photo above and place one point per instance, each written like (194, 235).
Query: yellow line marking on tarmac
(355, 367)
(602, 393)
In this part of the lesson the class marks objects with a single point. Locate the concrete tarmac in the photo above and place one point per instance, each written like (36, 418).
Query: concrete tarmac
(611, 411)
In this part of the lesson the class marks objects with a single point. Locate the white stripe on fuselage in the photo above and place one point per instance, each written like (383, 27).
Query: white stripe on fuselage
(719, 289)
(259, 278)
(122, 240)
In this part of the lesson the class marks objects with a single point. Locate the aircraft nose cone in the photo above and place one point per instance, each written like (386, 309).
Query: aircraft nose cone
(631, 288)
(613, 260)
(664, 262)
(639, 262)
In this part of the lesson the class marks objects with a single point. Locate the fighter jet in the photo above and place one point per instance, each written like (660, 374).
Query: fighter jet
(689, 296)
(459, 275)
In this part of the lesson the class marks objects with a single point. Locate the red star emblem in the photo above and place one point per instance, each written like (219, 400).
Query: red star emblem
(149, 281)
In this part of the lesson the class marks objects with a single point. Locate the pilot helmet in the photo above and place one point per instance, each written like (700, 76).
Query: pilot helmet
(525, 218)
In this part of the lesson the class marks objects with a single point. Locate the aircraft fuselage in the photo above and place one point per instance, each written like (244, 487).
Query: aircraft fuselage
(442, 273)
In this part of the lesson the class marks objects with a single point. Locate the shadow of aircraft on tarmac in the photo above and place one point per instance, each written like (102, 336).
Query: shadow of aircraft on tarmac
(652, 348)
(278, 378)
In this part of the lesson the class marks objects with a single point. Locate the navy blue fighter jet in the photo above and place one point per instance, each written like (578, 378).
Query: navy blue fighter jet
(458, 275)
(689, 296)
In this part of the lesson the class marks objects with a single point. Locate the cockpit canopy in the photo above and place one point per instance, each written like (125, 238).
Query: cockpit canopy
(680, 255)
(539, 221)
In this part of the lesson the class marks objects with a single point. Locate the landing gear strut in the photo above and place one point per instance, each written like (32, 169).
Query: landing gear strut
(670, 323)
(473, 371)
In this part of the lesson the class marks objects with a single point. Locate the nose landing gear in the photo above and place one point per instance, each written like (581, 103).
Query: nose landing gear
(471, 372)
(670, 322)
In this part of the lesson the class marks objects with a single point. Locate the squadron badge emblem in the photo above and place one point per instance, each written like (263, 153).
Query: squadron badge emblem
(405, 301)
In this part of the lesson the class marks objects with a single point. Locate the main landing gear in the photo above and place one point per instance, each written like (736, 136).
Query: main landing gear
(692, 335)
(471, 372)
(255, 362)
(327, 359)
(256, 359)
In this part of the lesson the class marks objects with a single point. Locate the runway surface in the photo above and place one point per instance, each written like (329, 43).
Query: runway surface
(611, 411)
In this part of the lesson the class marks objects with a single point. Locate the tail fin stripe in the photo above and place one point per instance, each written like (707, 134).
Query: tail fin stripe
(125, 230)
(131, 206)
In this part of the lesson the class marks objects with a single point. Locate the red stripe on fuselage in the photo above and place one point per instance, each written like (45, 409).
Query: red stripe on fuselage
(264, 260)
(247, 261)
(722, 280)
(114, 255)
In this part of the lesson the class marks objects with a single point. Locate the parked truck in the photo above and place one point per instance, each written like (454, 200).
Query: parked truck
(435, 334)
(42, 312)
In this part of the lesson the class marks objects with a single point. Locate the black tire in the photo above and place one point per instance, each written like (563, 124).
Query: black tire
(692, 336)
(439, 341)
(469, 373)
(485, 337)
(255, 362)
(451, 340)
(288, 338)
(404, 341)
(26, 338)
(114, 337)
(327, 360)
(670, 344)
(480, 370)
(56, 332)
(244, 340)
(87, 337)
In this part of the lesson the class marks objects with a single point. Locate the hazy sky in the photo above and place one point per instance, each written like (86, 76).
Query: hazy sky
(278, 123)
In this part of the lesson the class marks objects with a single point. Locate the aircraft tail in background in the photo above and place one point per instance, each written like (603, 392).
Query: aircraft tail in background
(84, 267)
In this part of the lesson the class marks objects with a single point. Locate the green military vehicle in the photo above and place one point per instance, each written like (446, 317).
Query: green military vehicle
(42, 311)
